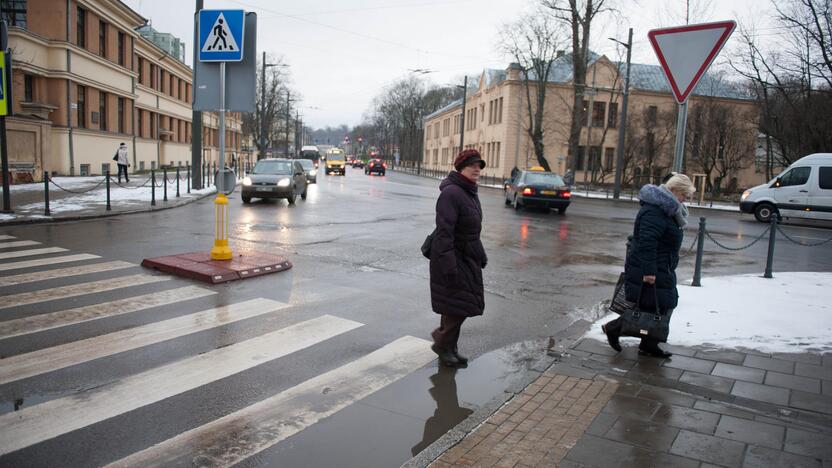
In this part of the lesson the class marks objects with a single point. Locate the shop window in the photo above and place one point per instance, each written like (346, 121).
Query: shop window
(85, 170)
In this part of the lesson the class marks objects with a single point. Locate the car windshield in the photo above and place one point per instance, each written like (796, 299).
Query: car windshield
(542, 178)
(335, 157)
(273, 167)
(310, 154)
(306, 163)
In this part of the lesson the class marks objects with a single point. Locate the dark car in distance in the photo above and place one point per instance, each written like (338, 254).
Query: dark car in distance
(538, 189)
(375, 166)
(310, 170)
(275, 178)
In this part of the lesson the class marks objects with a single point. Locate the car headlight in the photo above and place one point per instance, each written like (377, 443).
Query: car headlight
(284, 183)
(313, 172)
(247, 181)
(745, 195)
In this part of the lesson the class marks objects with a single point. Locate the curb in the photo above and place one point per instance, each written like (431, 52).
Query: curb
(59, 219)
(568, 337)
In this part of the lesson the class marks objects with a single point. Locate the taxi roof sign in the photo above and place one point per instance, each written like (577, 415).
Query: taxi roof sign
(221, 35)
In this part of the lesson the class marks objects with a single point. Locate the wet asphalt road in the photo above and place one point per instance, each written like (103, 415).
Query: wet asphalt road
(355, 247)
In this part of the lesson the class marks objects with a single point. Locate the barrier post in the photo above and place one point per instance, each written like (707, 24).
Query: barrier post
(107, 184)
(188, 176)
(46, 211)
(771, 236)
(165, 183)
(700, 249)
(152, 187)
(177, 181)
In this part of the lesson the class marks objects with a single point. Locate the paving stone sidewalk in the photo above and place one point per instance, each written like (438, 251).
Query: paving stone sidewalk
(703, 407)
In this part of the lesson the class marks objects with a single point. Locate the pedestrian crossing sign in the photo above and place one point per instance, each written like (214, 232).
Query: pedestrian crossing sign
(221, 35)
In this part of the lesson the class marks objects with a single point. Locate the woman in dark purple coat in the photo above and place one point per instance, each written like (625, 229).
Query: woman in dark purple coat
(457, 256)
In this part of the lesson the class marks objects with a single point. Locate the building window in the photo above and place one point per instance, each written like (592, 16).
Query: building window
(599, 108)
(172, 87)
(585, 114)
(105, 168)
(121, 48)
(500, 113)
(652, 115)
(609, 158)
(81, 28)
(594, 162)
(121, 115)
(82, 106)
(612, 115)
(85, 170)
(13, 12)
(153, 165)
(141, 165)
(579, 161)
(153, 77)
(102, 110)
(102, 39)
(141, 70)
(28, 88)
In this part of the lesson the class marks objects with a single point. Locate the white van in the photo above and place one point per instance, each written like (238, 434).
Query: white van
(803, 190)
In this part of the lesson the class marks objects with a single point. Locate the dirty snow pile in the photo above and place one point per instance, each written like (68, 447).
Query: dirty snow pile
(790, 313)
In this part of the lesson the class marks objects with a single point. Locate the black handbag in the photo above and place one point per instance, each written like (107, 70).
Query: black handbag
(645, 324)
(426, 245)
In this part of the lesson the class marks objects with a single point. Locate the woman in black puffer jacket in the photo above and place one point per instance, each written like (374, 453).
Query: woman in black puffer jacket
(653, 254)
(457, 256)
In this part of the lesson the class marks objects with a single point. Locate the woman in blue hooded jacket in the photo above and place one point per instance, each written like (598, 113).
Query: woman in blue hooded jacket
(653, 254)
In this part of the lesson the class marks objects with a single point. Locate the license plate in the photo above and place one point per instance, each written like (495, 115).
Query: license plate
(264, 189)
(548, 192)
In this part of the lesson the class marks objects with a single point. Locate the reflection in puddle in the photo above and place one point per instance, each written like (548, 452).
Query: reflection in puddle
(448, 413)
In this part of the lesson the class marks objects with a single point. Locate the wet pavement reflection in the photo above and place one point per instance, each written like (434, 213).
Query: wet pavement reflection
(448, 412)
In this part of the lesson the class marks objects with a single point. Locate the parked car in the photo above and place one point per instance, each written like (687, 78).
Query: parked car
(538, 189)
(310, 170)
(803, 190)
(375, 166)
(275, 178)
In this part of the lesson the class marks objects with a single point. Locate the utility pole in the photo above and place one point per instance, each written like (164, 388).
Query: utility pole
(7, 109)
(297, 134)
(622, 129)
(196, 119)
(288, 116)
(462, 119)
(263, 141)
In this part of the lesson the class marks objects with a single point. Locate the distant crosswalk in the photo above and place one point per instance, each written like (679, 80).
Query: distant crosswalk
(225, 441)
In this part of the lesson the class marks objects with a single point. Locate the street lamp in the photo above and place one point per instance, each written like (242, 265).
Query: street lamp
(619, 159)
(263, 140)
(462, 119)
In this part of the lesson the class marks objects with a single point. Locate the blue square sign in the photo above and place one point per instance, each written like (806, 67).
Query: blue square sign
(221, 35)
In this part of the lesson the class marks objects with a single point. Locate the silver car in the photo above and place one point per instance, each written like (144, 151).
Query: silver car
(275, 178)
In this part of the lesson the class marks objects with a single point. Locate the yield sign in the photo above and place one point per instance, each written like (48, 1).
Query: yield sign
(686, 52)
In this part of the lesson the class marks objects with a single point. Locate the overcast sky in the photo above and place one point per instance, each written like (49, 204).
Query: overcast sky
(344, 53)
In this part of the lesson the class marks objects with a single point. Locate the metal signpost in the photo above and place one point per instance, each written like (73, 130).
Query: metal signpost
(685, 54)
(221, 39)
(5, 109)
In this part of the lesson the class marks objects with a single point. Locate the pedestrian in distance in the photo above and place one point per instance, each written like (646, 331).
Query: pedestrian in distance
(121, 161)
(569, 178)
(457, 256)
(514, 172)
(653, 254)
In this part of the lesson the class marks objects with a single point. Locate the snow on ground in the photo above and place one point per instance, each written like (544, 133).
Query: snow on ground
(790, 313)
(66, 182)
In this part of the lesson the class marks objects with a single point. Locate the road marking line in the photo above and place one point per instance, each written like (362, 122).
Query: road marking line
(9, 245)
(63, 272)
(4, 237)
(51, 419)
(239, 435)
(46, 261)
(45, 360)
(41, 322)
(73, 290)
(26, 253)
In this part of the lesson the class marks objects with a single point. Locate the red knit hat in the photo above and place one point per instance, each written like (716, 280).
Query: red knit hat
(467, 158)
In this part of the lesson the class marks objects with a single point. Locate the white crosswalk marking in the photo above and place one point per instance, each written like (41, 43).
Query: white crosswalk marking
(9, 245)
(53, 418)
(50, 359)
(239, 435)
(41, 322)
(46, 261)
(64, 272)
(5, 237)
(27, 253)
(63, 292)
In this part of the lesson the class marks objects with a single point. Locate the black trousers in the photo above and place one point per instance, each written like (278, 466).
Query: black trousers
(447, 335)
(122, 168)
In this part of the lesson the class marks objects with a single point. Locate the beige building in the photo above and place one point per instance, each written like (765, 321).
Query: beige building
(85, 80)
(496, 123)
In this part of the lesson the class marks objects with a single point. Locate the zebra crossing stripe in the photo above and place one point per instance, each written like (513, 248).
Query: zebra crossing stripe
(46, 261)
(27, 253)
(63, 272)
(9, 245)
(45, 360)
(4, 237)
(41, 322)
(239, 435)
(74, 290)
(53, 418)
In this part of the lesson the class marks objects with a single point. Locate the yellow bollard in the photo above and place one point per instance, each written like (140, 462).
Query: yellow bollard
(221, 250)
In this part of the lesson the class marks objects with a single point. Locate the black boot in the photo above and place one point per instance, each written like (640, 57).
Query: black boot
(462, 359)
(652, 349)
(447, 358)
(612, 335)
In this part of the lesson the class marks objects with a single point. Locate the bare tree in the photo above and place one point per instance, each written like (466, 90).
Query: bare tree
(268, 117)
(578, 15)
(534, 41)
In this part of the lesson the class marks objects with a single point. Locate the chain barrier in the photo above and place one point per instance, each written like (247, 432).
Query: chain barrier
(707, 233)
(131, 188)
(804, 244)
(77, 192)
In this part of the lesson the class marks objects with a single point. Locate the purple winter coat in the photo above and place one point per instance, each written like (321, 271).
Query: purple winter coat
(457, 256)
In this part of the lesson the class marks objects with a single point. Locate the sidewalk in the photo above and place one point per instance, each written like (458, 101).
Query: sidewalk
(73, 198)
(707, 405)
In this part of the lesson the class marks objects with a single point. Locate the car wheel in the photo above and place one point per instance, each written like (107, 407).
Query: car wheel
(562, 211)
(303, 195)
(516, 204)
(291, 199)
(246, 200)
(764, 211)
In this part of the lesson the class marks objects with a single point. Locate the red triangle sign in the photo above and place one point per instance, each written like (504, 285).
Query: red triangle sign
(686, 52)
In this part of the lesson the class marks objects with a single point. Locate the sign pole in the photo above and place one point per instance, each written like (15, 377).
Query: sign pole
(221, 250)
(681, 127)
(5, 109)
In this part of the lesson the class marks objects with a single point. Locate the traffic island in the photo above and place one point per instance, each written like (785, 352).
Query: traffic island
(199, 266)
